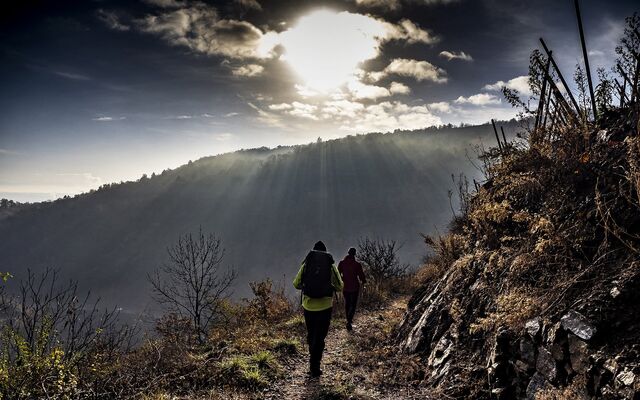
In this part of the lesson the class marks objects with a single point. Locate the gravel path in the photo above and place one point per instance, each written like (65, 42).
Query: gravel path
(345, 374)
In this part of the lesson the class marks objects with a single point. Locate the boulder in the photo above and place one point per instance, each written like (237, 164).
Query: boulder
(527, 352)
(578, 354)
(578, 324)
(546, 364)
(626, 377)
(533, 326)
(536, 384)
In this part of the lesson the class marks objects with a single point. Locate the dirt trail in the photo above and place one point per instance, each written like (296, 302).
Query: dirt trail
(345, 374)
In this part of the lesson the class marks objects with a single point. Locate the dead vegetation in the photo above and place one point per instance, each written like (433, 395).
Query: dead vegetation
(554, 226)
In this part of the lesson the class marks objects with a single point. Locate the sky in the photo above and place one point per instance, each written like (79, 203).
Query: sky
(101, 91)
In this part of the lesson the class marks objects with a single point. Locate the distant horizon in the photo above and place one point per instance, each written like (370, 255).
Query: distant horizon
(46, 197)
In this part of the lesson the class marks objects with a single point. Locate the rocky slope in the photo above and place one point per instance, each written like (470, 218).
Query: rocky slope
(535, 291)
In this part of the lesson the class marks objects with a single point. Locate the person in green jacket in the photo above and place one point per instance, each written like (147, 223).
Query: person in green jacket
(318, 278)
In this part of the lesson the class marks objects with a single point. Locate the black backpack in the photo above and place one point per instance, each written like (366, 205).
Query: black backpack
(316, 276)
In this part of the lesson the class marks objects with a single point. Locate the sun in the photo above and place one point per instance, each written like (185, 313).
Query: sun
(325, 47)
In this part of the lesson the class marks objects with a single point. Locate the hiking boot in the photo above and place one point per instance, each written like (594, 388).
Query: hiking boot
(315, 373)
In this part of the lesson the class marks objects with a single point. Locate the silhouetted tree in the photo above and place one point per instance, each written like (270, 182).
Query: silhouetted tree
(381, 258)
(192, 283)
(45, 314)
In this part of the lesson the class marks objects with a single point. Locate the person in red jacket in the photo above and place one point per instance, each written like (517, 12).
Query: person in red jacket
(352, 276)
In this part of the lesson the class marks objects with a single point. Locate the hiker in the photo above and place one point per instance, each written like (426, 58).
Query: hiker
(352, 276)
(318, 279)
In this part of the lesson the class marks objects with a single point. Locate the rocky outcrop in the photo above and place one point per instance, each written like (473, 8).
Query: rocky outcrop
(535, 291)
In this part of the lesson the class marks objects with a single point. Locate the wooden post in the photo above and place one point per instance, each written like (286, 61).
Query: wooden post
(543, 93)
(585, 55)
(496, 132)
(561, 100)
(546, 108)
(564, 83)
(504, 138)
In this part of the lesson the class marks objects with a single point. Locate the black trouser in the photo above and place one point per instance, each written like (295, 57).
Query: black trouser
(317, 328)
(350, 303)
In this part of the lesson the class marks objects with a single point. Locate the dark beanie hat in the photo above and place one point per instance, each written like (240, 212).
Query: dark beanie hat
(320, 246)
(352, 251)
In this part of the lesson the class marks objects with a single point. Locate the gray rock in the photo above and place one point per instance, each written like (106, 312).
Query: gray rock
(578, 354)
(615, 292)
(576, 323)
(536, 384)
(555, 334)
(611, 366)
(557, 351)
(527, 352)
(546, 364)
(533, 326)
(440, 352)
(626, 377)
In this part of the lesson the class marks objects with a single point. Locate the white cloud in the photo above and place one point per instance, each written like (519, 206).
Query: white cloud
(441, 107)
(231, 114)
(452, 55)
(480, 99)
(199, 28)
(410, 32)
(419, 70)
(399, 88)
(296, 109)
(107, 119)
(248, 70)
(72, 76)
(341, 108)
(280, 107)
(361, 91)
(305, 91)
(519, 83)
(6, 152)
(112, 21)
(266, 117)
(389, 116)
(303, 110)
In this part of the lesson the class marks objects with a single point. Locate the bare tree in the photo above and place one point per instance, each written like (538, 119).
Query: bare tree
(381, 258)
(45, 314)
(192, 284)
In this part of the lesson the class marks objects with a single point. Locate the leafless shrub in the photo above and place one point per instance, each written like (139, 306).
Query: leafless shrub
(192, 284)
(381, 259)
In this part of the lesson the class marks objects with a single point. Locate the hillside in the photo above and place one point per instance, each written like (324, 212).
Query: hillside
(534, 292)
(267, 205)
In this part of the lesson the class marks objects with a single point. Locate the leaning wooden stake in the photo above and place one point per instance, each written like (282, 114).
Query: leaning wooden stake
(556, 92)
(493, 123)
(546, 107)
(543, 93)
(504, 138)
(586, 61)
(564, 83)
